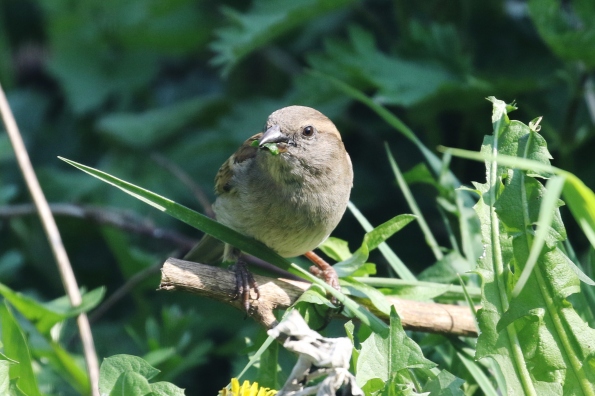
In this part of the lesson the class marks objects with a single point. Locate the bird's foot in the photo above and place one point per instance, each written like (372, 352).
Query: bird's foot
(323, 270)
(244, 283)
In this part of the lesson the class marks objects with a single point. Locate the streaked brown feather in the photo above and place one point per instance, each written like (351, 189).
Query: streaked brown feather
(225, 173)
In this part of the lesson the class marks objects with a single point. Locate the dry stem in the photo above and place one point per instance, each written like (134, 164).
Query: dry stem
(53, 235)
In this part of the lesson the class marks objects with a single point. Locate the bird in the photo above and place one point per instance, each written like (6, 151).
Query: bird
(287, 187)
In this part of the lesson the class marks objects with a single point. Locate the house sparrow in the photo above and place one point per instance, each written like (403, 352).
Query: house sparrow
(287, 187)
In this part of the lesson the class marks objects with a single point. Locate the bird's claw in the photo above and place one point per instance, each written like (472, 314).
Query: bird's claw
(244, 283)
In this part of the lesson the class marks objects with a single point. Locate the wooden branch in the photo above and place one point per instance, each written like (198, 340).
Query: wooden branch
(219, 284)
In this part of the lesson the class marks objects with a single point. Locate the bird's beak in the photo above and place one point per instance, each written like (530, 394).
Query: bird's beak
(273, 135)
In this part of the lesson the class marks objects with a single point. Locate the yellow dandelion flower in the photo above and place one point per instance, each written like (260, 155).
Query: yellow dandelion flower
(246, 389)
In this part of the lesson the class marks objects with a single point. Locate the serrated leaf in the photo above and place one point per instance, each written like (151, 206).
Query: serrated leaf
(263, 23)
(397, 80)
(384, 355)
(538, 332)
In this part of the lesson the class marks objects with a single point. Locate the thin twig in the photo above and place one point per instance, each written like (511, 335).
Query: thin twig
(54, 238)
(120, 219)
(123, 291)
(181, 175)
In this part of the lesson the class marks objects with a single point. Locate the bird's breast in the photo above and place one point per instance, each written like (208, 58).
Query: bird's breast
(291, 215)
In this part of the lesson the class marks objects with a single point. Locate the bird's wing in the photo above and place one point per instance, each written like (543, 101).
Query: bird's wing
(224, 176)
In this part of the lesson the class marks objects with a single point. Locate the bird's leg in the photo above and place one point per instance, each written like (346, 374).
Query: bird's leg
(244, 278)
(323, 270)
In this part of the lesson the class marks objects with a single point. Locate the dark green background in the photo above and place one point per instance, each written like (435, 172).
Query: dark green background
(112, 83)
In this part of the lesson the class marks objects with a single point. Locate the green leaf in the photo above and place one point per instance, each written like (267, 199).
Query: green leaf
(126, 375)
(372, 240)
(272, 147)
(361, 290)
(4, 376)
(444, 384)
(420, 290)
(398, 81)
(335, 248)
(538, 331)
(45, 315)
(394, 261)
(263, 23)
(130, 383)
(378, 235)
(16, 347)
(166, 389)
(579, 198)
(569, 30)
(382, 356)
(144, 130)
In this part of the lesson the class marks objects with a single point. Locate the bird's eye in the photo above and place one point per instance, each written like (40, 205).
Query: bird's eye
(308, 131)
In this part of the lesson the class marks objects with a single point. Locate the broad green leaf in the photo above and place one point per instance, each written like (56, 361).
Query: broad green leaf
(130, 383)
(125, 373)
(166, 389)
(16, 347)
(45, 315)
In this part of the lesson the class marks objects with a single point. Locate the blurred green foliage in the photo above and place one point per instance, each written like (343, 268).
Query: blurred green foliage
(113, 84)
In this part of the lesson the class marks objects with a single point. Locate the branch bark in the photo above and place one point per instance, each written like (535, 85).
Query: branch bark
(219, 284)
